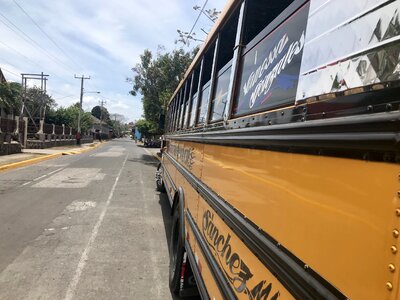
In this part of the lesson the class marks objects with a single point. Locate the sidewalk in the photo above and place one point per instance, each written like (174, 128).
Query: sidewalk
(31, 156)
(151, 151)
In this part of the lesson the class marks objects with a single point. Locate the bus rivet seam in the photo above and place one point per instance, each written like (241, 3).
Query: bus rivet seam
(392, 268)
(389, 286)
(398, 194)
(398, 212)
(395, 233)
(393, 249)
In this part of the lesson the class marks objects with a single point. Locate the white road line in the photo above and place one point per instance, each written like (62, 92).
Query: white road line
(40, 177)
(54, 171)
(82, 262)
(43, 176)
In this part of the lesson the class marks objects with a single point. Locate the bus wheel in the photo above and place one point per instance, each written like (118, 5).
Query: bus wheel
(159, 180)
(176, 251)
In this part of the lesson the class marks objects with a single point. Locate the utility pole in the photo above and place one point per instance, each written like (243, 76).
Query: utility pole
(82, 78)
(102, 102)
(42, 108)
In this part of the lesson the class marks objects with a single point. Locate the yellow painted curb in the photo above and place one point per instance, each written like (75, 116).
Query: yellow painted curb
(45, 157)
(28, 162)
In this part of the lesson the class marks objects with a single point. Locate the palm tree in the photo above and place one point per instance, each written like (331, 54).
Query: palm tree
(10, 97)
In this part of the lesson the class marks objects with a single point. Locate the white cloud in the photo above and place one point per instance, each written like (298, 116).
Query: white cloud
(99, 38)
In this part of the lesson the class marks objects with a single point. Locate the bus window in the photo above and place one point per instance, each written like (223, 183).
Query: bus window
(227, 38)
(259, 16)
(205, 81)
(221, 92)
(203, 103)
(193, 96)
(194, 108)
(185, 104)
(270, 67)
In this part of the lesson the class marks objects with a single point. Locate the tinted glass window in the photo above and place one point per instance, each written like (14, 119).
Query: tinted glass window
(194, 108)
(270, 70)
(220, 97)
(203, 104)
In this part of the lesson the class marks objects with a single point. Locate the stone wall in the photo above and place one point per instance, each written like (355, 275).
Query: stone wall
(10, 148)
(43, 144)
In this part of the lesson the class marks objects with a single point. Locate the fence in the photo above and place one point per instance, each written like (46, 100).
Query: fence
(42, 135)
(12, 135)
(7, 125)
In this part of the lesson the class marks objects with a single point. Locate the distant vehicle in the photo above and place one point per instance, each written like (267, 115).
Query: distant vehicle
(152, 143)
(281, 161)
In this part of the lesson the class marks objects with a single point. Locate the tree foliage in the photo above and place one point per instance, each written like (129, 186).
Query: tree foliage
(101, 113)
(38, 102)
(10, 97)
(69, 117)
(145, 127)
(156, 79)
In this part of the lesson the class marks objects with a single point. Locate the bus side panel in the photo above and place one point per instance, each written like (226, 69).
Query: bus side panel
(334, 214)
(169, 175)
(248, 277)
(190, 157)
(203, 268)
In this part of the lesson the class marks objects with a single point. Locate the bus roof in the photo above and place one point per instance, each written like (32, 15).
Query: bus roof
(226, 12)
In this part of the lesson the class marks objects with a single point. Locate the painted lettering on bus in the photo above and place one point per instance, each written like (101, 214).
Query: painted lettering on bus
(183, 155)
(234, 267)
(259, 84)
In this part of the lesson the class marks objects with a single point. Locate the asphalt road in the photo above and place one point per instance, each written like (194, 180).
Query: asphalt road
(87, 226)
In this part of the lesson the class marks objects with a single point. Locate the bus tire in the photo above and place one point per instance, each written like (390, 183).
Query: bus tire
(177, 249)
(159, 179)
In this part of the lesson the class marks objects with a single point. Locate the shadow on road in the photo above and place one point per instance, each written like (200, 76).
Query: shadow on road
(146, 159)
(166, 214)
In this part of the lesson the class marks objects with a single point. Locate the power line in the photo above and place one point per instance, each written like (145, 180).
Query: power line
(15, 50)
(198, 17)
(45, 34)
(32, 41)
(11, 72)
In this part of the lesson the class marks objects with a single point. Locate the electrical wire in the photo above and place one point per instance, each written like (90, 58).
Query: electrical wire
(44, 33)
(32, 41)
(16, 51)
(11, 72)
(195, 22)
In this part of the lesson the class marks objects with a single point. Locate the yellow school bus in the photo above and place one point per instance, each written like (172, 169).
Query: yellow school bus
(281, 158)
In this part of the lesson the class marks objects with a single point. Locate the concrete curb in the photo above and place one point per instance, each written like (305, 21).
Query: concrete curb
(28, 162)
(44, 157)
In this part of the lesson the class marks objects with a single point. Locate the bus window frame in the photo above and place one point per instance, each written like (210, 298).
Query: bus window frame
(237, 50)
(212, 79)
(199, 89)
(219, 74)
(207, 85)
(189, 110)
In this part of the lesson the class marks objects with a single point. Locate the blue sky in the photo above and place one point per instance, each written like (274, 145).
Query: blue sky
(98, 38)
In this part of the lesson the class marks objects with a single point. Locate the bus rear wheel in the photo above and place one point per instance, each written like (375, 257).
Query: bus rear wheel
(176, 251)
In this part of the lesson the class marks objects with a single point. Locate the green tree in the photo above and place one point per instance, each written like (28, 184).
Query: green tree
(156, 79)
(145, 127)
(69, 117)
(10, 97)
(38, 102)
(101, 113)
